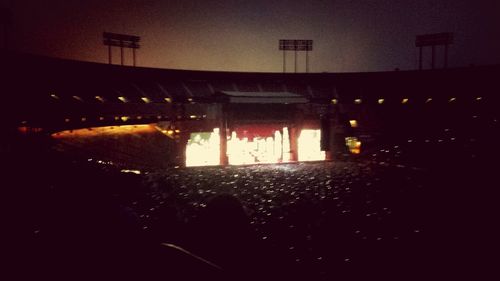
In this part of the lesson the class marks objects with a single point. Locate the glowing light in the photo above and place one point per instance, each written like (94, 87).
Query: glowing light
(479, 98)
(404, 101)
(125, 118)
(54, 96)
(428, 100)
(358, 101)
(137, 172)
(169, 100)
(309, 147)
(203, 149)
(99, 131)
(260, 150)
(193, 116)
(99, 98)
(353, 144)
(354, 123)
(101, 118)
(145, 99)
(334, 101)
(123, 99)
(380, 101)
(452, 99)
(177, 131)
(78, 98)
(190, 99)
(67, 120)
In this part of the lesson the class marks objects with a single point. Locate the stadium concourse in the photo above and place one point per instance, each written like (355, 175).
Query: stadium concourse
(417, 201)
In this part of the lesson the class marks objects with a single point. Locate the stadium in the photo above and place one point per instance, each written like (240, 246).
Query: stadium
(133, 172)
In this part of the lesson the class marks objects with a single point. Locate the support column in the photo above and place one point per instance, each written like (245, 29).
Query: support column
(181, 142)
(294, 146)
(121, 52)
(420, 58)
(133, 54)
(295, 60)
(446, 56)
(110, 55)
(433, 61)
(284, 61)
(307, 61)
(224, 161)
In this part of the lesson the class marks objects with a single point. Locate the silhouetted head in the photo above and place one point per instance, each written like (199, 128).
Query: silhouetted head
(225, 211)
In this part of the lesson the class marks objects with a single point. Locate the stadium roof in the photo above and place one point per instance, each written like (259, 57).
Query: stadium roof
(261, 97)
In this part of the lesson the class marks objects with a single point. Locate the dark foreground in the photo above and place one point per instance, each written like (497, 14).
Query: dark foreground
(382, 216)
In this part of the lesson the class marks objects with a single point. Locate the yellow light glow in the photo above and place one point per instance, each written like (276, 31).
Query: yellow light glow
(193, 116)
(380, 101)
(123, 99)
(404, 101)
(99, 131)
(137, 172)
(177, 131)
(190, 99)
(125, 118)
(260, 150)
(353, 144)
(358, 101)
(99, 98)
(354, 123)
(145, 99)
(169, 100)
(309, 146)
(334, 101)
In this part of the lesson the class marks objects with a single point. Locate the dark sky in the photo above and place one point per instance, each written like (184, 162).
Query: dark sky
(238, 35)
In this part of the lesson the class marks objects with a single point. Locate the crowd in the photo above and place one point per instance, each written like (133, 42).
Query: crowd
(382, 215)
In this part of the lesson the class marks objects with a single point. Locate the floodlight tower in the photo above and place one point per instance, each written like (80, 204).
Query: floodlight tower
(295, 45)
(122, 41)
(433, 40)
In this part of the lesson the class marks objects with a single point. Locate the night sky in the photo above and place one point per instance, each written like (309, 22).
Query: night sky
(237, 35)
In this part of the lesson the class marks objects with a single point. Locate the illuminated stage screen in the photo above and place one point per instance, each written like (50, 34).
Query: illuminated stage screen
(253, 145)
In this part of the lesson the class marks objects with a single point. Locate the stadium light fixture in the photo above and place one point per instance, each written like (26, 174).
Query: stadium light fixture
(433, 40)
(296, 46)
(122, 41)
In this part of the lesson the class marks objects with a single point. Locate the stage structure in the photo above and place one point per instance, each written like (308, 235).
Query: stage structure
(433, 40)
(296, 46)
(253, 128)
(122, 41)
